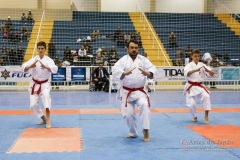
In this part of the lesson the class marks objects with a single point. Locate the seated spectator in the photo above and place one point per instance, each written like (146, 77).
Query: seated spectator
(188, 56)
(58, 62)
(113, 56)
(5, 35)
(2, 26)
(99, 76)
(17, 38)
(133, 36)
(139, 39)
(24, 33)
(10, 36)
(30, 17)
(4, 54)
(127, 38)
(178, 58)
(120, 41)
(104, 53)
(23, 18)
(172, 40)
(51, 49)
(94, 35)
(75, 59)
(117, 34)
(8, 24)
(67, 56)
(20, 54)
(99, 58)
(82, 52)
(12, 56)
(2, 63)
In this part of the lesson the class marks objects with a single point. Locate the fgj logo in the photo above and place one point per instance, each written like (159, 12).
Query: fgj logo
(5, 74)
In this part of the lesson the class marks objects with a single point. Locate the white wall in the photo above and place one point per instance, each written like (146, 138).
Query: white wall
(57, 4)
(86, 5)
(180, 6)
(124, 5)
(30, 4)
(232, 5)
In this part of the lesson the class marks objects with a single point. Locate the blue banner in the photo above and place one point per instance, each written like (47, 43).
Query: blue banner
(230, 74)
(78, 74)
(60, 76)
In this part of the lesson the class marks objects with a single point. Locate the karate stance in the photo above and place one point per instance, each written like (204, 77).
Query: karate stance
(133, 70)
(195, 72)
(42, 67)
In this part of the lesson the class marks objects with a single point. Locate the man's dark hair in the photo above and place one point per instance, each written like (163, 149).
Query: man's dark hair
(41, 43)
(195, 51)
(132, 41)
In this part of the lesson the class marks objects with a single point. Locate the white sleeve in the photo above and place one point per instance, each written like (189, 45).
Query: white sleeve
(150, 67)
(118, 69)
(28, 63)
(186, 69)
(52, 67)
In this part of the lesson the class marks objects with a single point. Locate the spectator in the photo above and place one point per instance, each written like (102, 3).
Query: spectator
(104, 53)
(2, 26)
(20, 54)
(67, 56)
(8, 24)
(12, 56)
(100, 75)
(117, 34)
(17, 37)
(127, 38)
(172, 40)
(188, 53)
(5, 35)
(133, 37)
(139, 39)
(82, 52)
(94, 35)
(24, 33)
(23, 18)
(51, 49)
(99, 58)
(30, 17)
(10, 36)
(113, 56)
(2, 63)
(179, 56)
(58, 62)
(120, 41)
(215, 63)
(4, 54)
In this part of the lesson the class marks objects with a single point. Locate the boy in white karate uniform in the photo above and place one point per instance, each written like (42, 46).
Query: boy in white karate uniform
(195, 72)
(42, 67)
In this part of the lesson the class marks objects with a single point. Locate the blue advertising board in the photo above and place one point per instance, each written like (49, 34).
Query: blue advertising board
(60, 76)
(78, 74)
(230, 74)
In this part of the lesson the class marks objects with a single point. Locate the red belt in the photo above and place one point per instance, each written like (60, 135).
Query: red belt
(199, 84)
(37, 82)
(135, 89)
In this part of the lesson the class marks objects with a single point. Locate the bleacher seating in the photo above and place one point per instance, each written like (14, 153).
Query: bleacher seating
(202, 31)
(66, 33)
(16, 27)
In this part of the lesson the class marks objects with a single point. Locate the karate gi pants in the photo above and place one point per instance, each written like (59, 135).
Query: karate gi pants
(130, 116)
(191, 103)
(46, 100)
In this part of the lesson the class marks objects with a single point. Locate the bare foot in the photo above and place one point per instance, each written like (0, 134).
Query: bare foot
(41, 123)
(206, 120)
(129, 136)
(194, 119)
(48, 124)
(146, 137)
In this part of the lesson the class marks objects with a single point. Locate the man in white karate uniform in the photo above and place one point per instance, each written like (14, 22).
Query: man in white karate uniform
(195, 72)
(133, 70)
(42, 67)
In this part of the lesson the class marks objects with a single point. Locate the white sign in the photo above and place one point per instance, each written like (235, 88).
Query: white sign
(13, 74)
